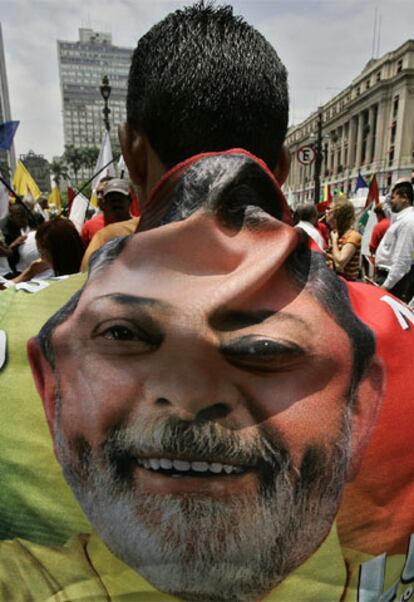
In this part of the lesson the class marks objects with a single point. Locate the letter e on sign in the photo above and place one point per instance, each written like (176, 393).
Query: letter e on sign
(306, 154)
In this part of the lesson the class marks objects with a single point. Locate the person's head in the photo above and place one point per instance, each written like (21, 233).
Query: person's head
(204, 419)
(342, 216)
(43, 202)
(18, 215)
(60, 245)
(100, 189)
(379, 212)
(203, 80)
(402, 196)
(307, 213)
(116, 201)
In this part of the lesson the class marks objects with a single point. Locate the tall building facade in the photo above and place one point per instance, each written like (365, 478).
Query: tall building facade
(367, 128)
(7, 158)
(82, 65)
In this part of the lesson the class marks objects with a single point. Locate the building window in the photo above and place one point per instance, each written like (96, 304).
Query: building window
(395, 107)
(378, 76)
(367, 84)
(358, 91)
(399, 65)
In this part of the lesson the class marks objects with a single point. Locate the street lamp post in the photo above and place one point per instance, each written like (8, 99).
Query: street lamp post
(105, 89)
(319, 157)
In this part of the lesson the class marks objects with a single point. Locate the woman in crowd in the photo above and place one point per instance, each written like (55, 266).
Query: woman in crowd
(345, 249)
(60, 248)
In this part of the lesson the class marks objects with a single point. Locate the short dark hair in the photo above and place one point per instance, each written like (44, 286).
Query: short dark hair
(61, 239)
(404, 189)
(204, 80)
(306, 212)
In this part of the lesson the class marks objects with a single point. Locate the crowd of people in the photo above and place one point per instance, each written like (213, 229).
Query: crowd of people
(37, 244)
(391, 243)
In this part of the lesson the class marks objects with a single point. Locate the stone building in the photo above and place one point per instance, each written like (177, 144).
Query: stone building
(7, 158)
(367, 128)
(82, 65)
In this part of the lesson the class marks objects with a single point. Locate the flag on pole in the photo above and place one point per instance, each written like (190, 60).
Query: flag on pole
(360, 183)
(24, 184)
(105, 156)
(7, 132)
(326, 199)
(78, 209)
(373, 193)
(54, 198)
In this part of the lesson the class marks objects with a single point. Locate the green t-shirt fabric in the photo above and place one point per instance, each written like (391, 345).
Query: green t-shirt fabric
(35, 501)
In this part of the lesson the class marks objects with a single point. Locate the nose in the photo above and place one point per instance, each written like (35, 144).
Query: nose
(196, 384)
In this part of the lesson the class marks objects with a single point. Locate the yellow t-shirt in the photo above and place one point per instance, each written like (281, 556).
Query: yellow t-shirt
(85, 570)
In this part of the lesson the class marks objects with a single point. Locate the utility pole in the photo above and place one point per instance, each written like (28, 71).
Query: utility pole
(319, 157)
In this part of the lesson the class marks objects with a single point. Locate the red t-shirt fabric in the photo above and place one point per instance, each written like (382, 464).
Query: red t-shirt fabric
(377, 233)
(91, 227)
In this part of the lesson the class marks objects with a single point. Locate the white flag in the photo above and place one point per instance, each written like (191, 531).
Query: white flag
(122, 168)
(105, 156)
(4, 201)
(78, 210)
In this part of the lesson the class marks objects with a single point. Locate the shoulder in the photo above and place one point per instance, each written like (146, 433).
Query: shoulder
(352, 237)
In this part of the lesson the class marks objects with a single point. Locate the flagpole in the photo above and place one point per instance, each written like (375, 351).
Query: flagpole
(92, 178)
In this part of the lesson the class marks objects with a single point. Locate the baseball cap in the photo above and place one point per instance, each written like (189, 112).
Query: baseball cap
(117, 185)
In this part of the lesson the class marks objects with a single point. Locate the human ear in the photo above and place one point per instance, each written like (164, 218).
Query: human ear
(366, 405)
(281, 171)
(134, 150)
(45, 381)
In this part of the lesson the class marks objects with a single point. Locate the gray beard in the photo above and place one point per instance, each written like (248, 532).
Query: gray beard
(199, 548)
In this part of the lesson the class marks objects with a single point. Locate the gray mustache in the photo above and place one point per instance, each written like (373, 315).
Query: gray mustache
(177, 438)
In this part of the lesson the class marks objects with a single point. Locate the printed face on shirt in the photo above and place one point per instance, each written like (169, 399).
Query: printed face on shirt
(208, 443)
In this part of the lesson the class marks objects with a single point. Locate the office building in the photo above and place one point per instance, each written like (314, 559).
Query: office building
(7, 158)
(367, 128)
(82, 65)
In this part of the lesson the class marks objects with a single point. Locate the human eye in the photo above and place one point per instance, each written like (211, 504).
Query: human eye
(113, 333)
(263, 354)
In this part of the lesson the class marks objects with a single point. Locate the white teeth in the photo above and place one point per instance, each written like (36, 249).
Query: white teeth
(181, 465)
(199, 466)
(215, 467)
(184, 466)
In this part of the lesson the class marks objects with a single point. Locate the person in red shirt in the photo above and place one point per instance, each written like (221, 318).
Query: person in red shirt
(379, 229)
(115, 208)
(93, 225)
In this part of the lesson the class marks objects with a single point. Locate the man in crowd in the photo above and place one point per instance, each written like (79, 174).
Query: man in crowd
(98, 222)
(210, 390)
(394, 256)
(308, 221)
(380, 228)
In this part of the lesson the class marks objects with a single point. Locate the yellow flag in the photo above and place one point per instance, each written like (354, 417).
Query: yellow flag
(54, 198)
(24, 184)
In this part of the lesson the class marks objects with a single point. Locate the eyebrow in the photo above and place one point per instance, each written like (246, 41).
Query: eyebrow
(237, 320)
(125, 299)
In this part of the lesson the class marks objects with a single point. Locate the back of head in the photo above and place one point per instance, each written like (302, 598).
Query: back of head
(343, 213)
(307, 213)
(61, 240)
(404, 189)
(204, 80)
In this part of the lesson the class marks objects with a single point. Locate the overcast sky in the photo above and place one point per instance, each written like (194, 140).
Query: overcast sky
(323, 43)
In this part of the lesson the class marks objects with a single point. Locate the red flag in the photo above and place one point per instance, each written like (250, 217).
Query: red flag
(373, 193)
(71, 196)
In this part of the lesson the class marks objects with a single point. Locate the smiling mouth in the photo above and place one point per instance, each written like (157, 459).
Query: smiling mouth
(183, 468)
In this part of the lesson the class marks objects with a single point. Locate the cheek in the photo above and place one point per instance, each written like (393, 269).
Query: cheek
(97, 395)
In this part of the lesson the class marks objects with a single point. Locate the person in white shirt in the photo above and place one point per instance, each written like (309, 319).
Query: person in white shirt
(308, 218)
(395, 254)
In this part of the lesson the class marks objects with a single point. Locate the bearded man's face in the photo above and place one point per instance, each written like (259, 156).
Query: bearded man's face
(207, 440)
